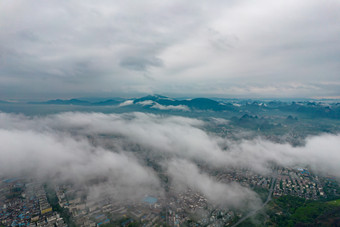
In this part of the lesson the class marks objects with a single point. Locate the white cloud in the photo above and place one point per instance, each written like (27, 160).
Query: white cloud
(156, 105)
(126, 103)
(83, 146)
(145, 103)
(186, 174)
(170, 107)
(35, 148)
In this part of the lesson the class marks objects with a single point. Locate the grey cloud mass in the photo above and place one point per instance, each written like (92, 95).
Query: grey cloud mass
(80, 147)
(186, 174)
(225, 48)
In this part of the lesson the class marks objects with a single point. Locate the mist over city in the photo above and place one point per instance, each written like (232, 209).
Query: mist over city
(169, 113)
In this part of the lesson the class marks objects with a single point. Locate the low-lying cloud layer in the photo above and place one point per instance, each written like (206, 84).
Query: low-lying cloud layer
(111, 148)
(186, 174)
(156, 105)
(62, 158)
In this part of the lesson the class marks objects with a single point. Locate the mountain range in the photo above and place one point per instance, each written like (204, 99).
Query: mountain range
(164, 103)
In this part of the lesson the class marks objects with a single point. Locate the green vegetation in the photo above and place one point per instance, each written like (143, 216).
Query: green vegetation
(331, 188)
(126, 221)
(53, 201)
(294, 211)
(334, 202)
(308, 213)
(108, 225)
(256, 220)
(262, 192)
(289, 203)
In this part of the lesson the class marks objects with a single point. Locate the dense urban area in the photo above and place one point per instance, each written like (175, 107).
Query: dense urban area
(30, 202)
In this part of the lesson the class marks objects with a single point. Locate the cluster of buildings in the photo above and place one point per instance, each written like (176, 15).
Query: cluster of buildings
(245, 177)
(174, 209)
(298, 182)
(289, 181)
(149, 211)
(24, 203)
(192, 209)
(180, 204)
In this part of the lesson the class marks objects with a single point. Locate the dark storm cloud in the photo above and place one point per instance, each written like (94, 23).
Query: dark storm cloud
(261, 48)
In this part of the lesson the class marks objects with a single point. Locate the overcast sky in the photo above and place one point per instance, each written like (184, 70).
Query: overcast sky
(235, 48)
